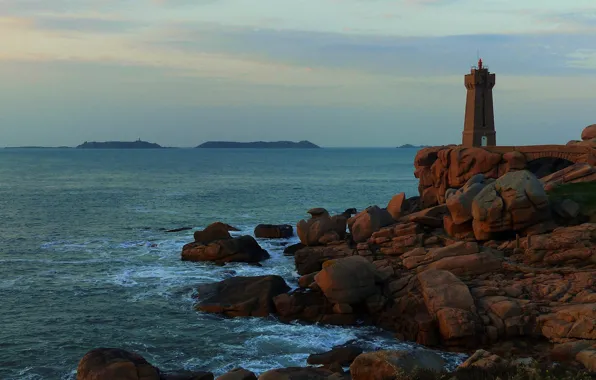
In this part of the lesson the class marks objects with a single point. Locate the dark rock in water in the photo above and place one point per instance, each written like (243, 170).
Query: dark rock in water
(344, 355)
(292, 249)
(180, 229)
(296, 373)
(309, 306)
(274, 231)
(317, 212)
(115, 363)
(214, 231)
(242, 296)
(238, 374)
(241, 249)
(269, 231)
(187, 375)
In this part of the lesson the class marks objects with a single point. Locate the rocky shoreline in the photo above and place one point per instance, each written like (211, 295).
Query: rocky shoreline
(490, 260)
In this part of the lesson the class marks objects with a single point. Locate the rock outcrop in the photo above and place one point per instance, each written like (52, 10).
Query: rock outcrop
(442, 168)
(322, 228)
(398, 206)
(238, 374)
(483, 259)
(213, 232)
(513, 202)
(580, 172)
(241, 296)
(349, 280)
(299, 373)
(390, 365)
(440, 292)
(119, 364)
(241, 249)
(589, 132)
(311, 259)
(365, 223)
(274, 231)
(115, 363)
(342, 355)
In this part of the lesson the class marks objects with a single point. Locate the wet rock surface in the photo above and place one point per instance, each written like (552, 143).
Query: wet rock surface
(241, 249)
(241, 296)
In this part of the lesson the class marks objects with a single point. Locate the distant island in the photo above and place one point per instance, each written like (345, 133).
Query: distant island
(406, 146)
(119, 145)
(38, 147)
(260, 144)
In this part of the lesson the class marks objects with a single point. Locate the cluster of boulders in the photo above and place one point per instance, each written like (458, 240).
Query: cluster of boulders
(346, 362)
(441, 169)
(323, 228)
(215, 244)
(496, 262)
(483, 258)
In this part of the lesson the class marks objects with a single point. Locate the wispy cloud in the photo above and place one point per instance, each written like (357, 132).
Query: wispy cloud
(85, 24)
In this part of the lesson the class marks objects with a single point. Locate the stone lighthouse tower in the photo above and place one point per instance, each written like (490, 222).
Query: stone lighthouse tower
(479, 123)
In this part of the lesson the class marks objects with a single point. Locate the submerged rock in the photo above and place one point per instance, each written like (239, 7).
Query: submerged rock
(180, 229)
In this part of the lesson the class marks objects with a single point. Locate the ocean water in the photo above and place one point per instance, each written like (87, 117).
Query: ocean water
(85, 261)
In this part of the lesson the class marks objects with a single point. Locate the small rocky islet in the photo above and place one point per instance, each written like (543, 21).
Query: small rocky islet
(490, 260)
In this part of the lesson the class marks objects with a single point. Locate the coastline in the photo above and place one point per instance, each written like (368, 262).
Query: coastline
(431, 269)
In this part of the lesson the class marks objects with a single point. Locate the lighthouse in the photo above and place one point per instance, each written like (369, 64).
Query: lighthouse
(479, 121)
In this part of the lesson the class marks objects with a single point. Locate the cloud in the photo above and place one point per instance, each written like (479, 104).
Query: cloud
(522, 54)
(85, 24)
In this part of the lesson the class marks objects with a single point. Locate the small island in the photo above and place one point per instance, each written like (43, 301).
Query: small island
(410, 146)
(260, 145)
(37, 147)
(119, 145)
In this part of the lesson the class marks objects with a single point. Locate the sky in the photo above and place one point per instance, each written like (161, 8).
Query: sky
(340, 73)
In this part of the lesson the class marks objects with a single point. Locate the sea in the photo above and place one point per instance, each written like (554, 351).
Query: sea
(86, 260)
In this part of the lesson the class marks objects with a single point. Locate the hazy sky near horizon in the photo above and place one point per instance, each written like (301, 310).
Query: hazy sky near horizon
(335, 72)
